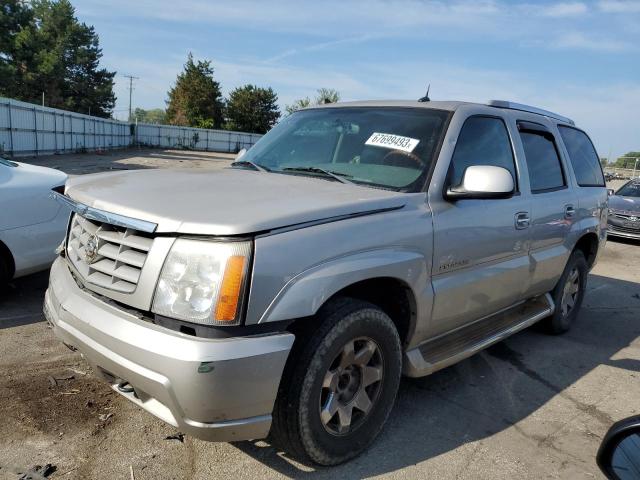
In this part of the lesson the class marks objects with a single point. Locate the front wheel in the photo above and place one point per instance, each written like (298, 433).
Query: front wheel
(340, 385)
(568, 294)
(4, 273)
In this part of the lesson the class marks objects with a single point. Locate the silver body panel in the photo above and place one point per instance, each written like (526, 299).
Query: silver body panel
(223, 202)
(461, 260)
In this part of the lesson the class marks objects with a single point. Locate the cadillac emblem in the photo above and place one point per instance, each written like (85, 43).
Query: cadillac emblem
(91, 249)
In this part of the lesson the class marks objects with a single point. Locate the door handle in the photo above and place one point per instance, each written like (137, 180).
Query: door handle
(522, 220)
(569, 211)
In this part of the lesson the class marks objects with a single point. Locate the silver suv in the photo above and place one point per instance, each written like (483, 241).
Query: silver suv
(354, 243)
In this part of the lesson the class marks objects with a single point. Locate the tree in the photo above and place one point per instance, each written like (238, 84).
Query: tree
(327, 95)
(252, 109)
(15, 15)
(195, 99)
(155, 115)
(45, 49)
(628, 160)
(324, 95)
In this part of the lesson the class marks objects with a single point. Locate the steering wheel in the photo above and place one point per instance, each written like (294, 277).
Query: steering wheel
(403, 154)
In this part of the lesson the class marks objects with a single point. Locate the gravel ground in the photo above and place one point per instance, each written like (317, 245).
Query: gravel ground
(533, 406)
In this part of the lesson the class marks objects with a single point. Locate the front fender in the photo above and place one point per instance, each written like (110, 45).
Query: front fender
(305, 293)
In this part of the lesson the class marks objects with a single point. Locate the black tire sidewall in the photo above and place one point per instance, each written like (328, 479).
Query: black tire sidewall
(321, 446)
(4, 274)
(560, 323)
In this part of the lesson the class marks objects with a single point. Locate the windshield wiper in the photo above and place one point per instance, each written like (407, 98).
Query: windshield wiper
(327, 173)
(249, 163)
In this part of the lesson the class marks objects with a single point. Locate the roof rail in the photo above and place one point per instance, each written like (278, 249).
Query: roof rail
(527, 108)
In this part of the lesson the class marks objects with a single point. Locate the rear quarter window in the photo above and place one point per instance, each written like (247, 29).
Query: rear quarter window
(583, 156)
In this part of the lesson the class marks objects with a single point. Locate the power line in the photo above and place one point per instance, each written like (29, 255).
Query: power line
(131, 79)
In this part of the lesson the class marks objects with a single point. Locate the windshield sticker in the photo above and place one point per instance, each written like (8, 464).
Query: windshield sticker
(394, 142)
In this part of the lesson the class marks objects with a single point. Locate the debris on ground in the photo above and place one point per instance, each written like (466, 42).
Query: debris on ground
(133, 477)
(54, 380)
(38, 472)
(176, 436)
(105, 416)
(73, 391)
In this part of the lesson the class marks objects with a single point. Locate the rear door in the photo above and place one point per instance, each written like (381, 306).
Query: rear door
(480, 259)
(553, 206)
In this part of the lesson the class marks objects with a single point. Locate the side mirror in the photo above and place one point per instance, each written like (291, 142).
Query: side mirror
(619, 454)
(483, 181)
(240, 154)
(610, 191)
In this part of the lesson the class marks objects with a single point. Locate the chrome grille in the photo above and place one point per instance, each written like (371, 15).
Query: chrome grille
(106, 255)
(629, 217)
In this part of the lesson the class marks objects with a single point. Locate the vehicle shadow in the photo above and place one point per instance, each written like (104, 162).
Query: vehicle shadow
(492, 390)
(21, 300)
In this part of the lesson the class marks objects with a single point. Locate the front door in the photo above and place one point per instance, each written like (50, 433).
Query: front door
(480, 259)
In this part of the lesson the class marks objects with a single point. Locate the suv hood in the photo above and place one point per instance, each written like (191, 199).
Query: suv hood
(624, 204)
(227, 201)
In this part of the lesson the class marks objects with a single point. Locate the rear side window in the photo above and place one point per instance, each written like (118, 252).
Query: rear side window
(482, 141)
(583, 156)
(543, 162)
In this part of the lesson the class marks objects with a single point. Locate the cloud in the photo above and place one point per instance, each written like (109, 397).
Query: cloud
(559, 10)
(577, 40)
(317, 47)
(619, 6)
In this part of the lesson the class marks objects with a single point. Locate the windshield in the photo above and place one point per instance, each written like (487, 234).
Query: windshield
(381, 147)
(631, 189)
(7, 163)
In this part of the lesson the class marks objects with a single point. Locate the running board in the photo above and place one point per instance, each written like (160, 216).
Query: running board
(452, 347)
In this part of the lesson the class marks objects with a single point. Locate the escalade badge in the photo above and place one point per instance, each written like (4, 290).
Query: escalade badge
(91, 249)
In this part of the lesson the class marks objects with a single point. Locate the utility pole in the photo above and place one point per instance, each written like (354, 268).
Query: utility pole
(131, 79)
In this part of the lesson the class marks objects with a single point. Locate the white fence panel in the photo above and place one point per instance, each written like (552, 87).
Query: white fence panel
(28, 129)
(169, 136)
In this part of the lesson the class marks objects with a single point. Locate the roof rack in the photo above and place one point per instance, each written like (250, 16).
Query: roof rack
(527, 108)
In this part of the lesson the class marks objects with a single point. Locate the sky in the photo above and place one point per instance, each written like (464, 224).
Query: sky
(578, 58)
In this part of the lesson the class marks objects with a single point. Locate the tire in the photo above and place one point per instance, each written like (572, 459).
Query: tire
(4, 273)
(323, 382)
(568, 295)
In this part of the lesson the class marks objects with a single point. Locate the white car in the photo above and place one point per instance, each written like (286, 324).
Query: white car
(32, 223)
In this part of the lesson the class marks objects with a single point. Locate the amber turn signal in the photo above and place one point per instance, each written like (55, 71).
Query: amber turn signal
(229, 297)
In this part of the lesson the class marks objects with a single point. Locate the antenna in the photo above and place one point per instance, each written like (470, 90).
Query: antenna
(426, 97)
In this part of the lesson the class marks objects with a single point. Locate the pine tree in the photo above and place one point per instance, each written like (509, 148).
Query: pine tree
(195, 99)
(48, 50)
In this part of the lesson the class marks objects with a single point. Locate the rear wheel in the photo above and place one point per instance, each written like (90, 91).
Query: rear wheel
(340, 385)
(568, 294)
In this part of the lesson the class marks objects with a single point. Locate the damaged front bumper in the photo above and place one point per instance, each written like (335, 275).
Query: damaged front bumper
(213, 389)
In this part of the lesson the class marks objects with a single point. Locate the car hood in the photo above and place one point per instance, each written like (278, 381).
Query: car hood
(227, 201)
(624, 204)
(45, 176)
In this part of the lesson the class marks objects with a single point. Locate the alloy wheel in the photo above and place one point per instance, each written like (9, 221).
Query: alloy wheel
(351, 386)
(570, 292)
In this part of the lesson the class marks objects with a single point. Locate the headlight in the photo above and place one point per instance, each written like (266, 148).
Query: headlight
(203, 282)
